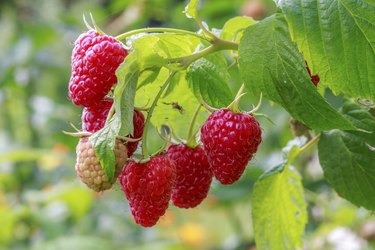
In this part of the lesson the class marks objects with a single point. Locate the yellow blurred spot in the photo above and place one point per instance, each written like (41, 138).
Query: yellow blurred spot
(60, 148)
(168, 218)
(192, 234)
(49, 161)
(211, 200)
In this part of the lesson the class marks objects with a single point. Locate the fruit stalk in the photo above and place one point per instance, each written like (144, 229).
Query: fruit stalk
(191, 136)
(159, 30)
(150, 111)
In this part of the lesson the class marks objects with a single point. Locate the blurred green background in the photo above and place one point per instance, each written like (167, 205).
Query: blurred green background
(43, 205)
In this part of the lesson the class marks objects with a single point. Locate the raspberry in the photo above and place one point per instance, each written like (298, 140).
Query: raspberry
(94, 117)
(230, 140)
(193, 175)
(138, 125)
(95, 59)
(89, 169)
(148, 188)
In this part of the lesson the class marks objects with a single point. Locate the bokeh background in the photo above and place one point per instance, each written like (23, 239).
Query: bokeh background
(43, 205)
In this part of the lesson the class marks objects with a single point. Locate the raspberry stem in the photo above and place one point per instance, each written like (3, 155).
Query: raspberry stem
(151, 110)
(217, 44)
(309, 144)
(191, 142)
(234, 106)
(160, 30)
(110, 114)
(304, 148)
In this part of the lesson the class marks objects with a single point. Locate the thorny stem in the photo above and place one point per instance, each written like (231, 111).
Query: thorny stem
(159, 30)
(151, 110)
(191, 136)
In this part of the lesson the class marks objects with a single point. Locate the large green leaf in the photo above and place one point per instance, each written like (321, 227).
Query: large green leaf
(347, 160)
(279, 210)
(270, 63)
(208, 77)
(337, 37)
(175, 45)
(149, 54)
(175, 109)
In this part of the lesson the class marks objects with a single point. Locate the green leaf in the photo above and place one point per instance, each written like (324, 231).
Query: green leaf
(175, 109)
(175, 45)
(279, 210)
(191, 9)
(347, 160)
(208, 78)
(233, 29)
(124, 94)
(148, 56)
(270, 63)
(337, 38)
(104, 143)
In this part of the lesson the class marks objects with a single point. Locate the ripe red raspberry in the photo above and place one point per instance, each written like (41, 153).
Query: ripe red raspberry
(95, 59)
(230, 140)
(138, 125)
(148, 188)
(94, 117)
(89, 169)
(193, 175)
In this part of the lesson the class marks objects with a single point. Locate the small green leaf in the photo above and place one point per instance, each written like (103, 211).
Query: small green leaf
(104, 143)
(208, 78)
(270, 64)
(279, 210)
(124, 94)
(191, 9)
(347, 159)
(233, 29)
(337, 38)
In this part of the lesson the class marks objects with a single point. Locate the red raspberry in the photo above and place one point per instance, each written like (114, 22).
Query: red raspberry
(193, 175)
(94, 117)
(230, 140)
(95, 59)
(89, 169)
(138, 125)
(148, 188)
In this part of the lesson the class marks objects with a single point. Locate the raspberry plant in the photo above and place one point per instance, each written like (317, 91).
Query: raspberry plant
(290, 58)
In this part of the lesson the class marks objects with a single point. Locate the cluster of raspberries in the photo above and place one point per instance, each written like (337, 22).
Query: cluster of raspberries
(182, 174)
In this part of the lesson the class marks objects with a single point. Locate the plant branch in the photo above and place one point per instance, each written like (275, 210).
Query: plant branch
(309, 144)
(151, 110)
(110, 113)
(217, 45)
(191, 136)
(160, 30)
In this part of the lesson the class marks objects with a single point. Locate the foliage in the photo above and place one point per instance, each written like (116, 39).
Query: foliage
(334, 37)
